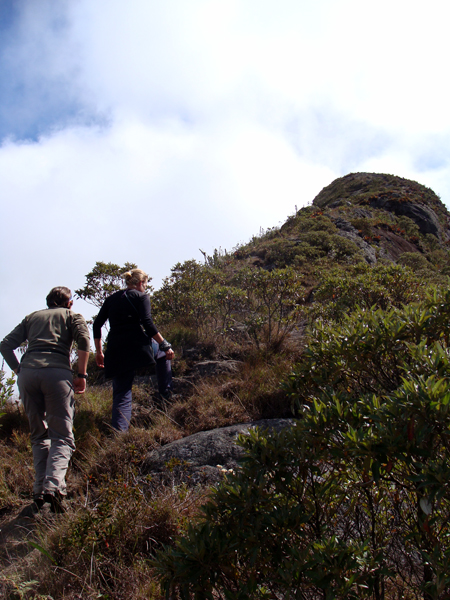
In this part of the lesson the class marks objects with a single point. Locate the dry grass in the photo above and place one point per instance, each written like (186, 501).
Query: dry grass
(101, 548)
(207, 409)
(251, 394)
(16, 461)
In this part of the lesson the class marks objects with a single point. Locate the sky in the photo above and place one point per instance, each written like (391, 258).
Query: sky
(148, 131)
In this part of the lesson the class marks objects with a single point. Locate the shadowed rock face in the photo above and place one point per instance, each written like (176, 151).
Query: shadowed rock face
(424, 217)
(203, 457)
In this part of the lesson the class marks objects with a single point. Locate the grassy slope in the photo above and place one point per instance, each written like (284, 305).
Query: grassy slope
(116, 519)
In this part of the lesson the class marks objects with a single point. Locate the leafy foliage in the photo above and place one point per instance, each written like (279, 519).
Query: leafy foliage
(6, 388)
(353, 500)
(253, 303)
(102, 281)
(379, 286)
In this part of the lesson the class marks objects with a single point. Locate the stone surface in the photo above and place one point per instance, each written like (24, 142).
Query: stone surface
(346, 230)
(204, 456)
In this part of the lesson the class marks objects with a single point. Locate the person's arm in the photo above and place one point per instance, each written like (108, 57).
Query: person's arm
(79, 383)
(145, 315)
(162, 342)
(100, 320)
(10, 343)
(99, 356)
(150, 328)
(81, 337)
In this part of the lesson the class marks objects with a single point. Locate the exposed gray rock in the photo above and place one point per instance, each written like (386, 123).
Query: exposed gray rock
(361, 213)
(204, 456)
(344, 225)
(346, 230)
(216, 367)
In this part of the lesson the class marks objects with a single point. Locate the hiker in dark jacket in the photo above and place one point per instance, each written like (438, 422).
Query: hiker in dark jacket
(129, 341)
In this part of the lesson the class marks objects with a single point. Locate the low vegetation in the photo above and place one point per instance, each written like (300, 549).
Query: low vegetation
(351, 502)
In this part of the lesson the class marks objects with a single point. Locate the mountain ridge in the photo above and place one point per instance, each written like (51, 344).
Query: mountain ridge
(375, 216)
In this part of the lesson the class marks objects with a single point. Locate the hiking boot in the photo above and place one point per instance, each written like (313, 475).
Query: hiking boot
(32, 509)
(167, 394)
(38, 499)
(55, 499)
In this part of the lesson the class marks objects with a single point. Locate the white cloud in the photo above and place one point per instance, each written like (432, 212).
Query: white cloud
(169, 127)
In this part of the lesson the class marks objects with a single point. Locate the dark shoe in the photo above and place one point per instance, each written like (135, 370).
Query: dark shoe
(167, 394)
(38, 499)
(55, 499)
(32, 509)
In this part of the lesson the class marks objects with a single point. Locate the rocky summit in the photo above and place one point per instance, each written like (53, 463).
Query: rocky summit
(365, 196)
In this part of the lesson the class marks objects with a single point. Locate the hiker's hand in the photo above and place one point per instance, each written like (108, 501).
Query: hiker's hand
(100, 359)
(79, 385)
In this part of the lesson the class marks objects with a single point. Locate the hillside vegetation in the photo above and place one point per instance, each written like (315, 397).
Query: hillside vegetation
(340, 319)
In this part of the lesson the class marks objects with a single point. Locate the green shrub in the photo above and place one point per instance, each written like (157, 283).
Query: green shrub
(440, 259)
(363, 225)
(342, 248)
(282, 253)
(408, 226)
(414, 261)
(271, 303)
(6, 388)
(309, 251)
(183, 297)
(381, 286)
(351, 501)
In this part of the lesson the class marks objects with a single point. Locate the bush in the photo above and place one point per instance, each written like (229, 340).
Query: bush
(414, 261)
(353, 500)
(282, 253)
(381, 286)
(6, 391)
(271, 307)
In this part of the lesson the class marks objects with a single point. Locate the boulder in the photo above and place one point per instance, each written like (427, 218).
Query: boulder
(205, 456)
(346, 230)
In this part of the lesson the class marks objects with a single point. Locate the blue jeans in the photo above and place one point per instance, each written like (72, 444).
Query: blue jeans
(121, 409)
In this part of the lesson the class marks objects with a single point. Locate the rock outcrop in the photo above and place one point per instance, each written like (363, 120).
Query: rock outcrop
(397, 195)
(204, 456)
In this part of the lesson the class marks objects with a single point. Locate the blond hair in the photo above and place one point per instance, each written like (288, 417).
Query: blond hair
(135, 276)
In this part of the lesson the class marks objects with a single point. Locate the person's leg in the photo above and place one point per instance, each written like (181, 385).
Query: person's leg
(33, 401)
(121, 410)
(57, 386)
(164, 376)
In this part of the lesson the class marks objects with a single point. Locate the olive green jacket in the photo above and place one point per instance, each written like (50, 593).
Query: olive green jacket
(50, 334)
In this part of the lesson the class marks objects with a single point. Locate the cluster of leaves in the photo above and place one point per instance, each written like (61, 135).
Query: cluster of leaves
(6, 389)
(102, 281)
(353, 500)
(253, 303)
(380, 286)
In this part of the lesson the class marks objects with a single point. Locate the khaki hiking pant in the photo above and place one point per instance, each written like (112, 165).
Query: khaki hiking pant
(48, 398)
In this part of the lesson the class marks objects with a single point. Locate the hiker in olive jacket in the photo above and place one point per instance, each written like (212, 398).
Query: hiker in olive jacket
(47, 388)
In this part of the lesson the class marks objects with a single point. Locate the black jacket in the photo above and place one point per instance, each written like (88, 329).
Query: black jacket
(128, 344)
